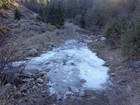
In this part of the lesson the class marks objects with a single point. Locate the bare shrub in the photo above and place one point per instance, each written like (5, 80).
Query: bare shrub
(8, 56)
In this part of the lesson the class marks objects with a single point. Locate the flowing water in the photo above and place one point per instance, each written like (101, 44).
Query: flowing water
(73, 68)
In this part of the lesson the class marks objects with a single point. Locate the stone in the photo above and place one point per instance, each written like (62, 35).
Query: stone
(102, 38)
(34, 71)
(24, 87)
(24, 94)
(113, 74)
(89, 93)
(5, 89)
(4, 30)
(129, 90)
(17, 95)
(40, 74)
(14, 88)
(39, 85)
(34, 87)
(92, 98)
(26, 80)
(23, 76)
(82, 81)
(47, 70)
(43, 93)
(16, 80)
(134, 64)
(123, 81)
(33, 52)
(81, 93)
(39, 80)
(51, 27)
(27, 72)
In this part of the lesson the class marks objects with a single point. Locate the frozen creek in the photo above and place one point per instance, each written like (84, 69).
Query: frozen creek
(73, 69)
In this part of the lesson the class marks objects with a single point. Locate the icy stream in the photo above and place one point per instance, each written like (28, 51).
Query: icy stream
(73, 68)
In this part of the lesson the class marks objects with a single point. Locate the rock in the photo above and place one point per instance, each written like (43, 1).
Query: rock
(4, 30)
(43, 93)
(129, 90)
(39, 85)
(26, 80)
(33, 52)
(17, 95)
(27, 72)
(14, 88)
(39, 80)
(47, 70)
(5, 90)
(34, 87)
(23, 76)
(24, 87)
(24, 94)
(123, 81)
(113, 74)
(51, 27)
(81, 93)
(91, 98)
(16, 80)
(4, 14)
(40, 74)
(134, 64)
(82, 81)
(34, 71)
(102, 39)
(89, 93)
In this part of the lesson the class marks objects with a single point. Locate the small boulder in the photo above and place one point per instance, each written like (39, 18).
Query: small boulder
(33, 71)
(27, 72)
(112, 74)
(24, 87)
(17, 95)
(5, 90)
(23, 76)
(51, 27)
(134, 64)
(34, 87)
(26, 80)
(39, 80)
(102, 39)
(33, 52)
(39, 85)
(40, 74)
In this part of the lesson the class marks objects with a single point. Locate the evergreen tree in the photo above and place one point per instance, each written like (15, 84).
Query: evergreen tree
(17, 14)
(55, 15)
(82, 21)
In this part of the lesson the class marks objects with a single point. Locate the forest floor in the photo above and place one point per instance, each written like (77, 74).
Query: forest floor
(30, 37)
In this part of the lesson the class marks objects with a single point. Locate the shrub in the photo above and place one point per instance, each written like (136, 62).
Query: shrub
(95, 17)
(82, 21)
(17, 14)
(112, 32)
(130, 41)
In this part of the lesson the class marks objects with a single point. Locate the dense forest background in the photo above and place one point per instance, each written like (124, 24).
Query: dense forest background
(118, 20)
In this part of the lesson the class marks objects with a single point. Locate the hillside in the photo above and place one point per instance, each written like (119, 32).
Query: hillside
(44, 64)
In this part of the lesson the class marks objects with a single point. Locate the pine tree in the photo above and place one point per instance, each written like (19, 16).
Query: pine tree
(55, 15)
(17, 14)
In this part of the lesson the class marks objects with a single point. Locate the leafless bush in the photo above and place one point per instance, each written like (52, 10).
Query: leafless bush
(7, 57)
